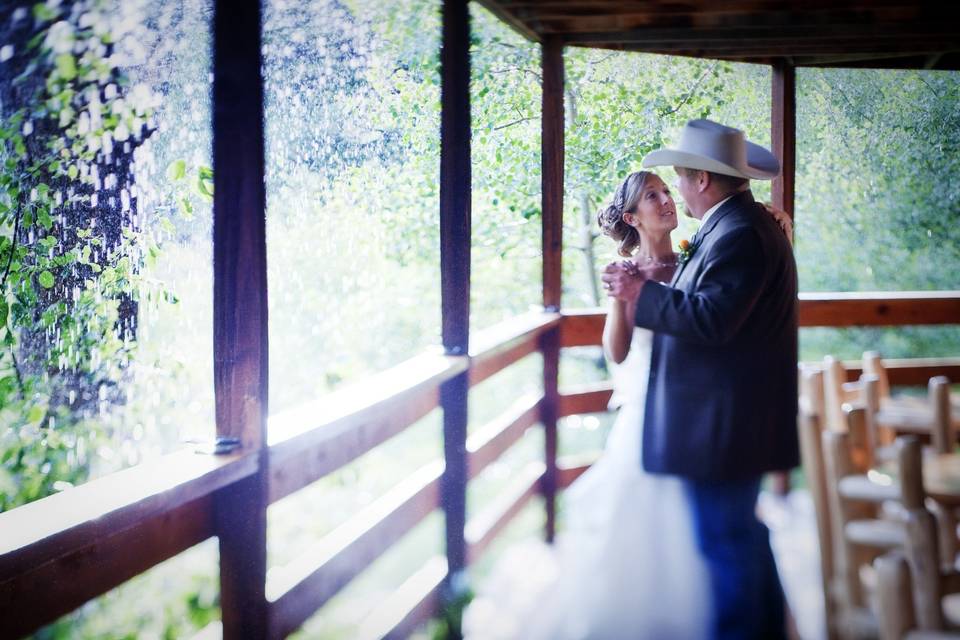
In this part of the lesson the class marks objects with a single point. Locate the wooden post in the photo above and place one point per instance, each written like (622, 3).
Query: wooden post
(783, 137)
(552, 163)
(455, 191)
(240, 309)
(783, 133)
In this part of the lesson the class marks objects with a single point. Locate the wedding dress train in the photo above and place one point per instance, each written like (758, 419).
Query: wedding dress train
(626, 563)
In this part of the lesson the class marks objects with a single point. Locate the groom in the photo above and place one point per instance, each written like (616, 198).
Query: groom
(722, 397)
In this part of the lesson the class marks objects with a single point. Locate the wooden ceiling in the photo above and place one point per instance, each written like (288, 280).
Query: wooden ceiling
(864, 33)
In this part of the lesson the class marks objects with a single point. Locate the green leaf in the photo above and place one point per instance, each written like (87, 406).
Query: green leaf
(44, 12)
(205, 181)
(186, 210)
(43, 217)
(46, 280)
(177, 170)
(36, 414)
(73, 172)
(66, 66)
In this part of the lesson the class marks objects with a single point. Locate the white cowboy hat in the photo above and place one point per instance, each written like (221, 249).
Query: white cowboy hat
(711, 146)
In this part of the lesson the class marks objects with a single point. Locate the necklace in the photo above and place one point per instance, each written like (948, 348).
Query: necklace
(655, 261)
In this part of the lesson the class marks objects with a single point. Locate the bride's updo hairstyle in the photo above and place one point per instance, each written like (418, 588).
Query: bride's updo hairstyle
(625, 200)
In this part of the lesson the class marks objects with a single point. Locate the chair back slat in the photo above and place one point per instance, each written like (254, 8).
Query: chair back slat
(873, 365)
(942, 434)
(921, 545)
(859, 449)
(894, 596)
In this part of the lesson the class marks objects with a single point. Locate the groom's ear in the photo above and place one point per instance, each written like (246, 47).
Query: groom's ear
(703, 181)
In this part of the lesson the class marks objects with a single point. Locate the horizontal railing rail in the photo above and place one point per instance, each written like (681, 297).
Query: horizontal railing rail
(59, 552)
(313, 440)
(584, 327)
(105, 532)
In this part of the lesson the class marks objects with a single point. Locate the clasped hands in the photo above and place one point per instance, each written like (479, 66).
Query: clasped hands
(624, 280)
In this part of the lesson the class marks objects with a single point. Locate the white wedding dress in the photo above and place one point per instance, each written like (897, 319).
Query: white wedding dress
(626, 563)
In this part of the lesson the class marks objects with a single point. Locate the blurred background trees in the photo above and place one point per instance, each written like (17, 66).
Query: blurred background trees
(352, 121)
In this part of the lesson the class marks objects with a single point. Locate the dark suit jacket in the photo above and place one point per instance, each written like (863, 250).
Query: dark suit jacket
(722, 397)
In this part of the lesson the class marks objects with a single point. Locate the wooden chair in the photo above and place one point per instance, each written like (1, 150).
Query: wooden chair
(857, 534)
(905, 414)
(913, 587)
(837, 392)
(809, 423)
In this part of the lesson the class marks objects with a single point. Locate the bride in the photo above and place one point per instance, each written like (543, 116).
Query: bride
(626, 564)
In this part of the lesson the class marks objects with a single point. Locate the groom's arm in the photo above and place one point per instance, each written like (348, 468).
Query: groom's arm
(725, 294)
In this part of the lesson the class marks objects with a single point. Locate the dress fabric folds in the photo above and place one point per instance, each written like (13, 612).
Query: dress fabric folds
(626, 563)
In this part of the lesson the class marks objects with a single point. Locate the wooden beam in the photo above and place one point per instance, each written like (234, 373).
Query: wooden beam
(66, 522)
(910, 372)
(784, 133)
(485, 527)
(308, 582)
(455, 225)
(572, 467)
(552, 171)
(582, 327)
(312, 440)
(552, 168)
(515, 23)
(409, 606)
(504, 344)
(493, 439)
(550, 412)
(240, 308)
(894, 308)
(588, 398)
(43, 592)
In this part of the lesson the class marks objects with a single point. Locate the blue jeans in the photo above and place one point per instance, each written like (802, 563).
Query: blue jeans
(748, 599)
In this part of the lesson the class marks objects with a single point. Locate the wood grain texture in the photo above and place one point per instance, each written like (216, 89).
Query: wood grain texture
(494, 349)
(315, 439)
(41, 593)
(550, 413)
(455, 177)
(413, 603)
(592, 398)
(552, 170)
(783, 134)
(891, 33)
(308, 582)
(584, 327)
(484, 527)
(62, 524)
(240, 352)
(492, 440)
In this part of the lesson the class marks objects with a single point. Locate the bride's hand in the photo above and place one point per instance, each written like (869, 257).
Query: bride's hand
(782, 218)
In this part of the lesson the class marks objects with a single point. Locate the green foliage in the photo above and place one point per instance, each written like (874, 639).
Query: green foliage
(66, 267)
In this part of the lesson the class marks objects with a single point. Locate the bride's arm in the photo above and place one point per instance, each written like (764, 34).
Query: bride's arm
(617, 331)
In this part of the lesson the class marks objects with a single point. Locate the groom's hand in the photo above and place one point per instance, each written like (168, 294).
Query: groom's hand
(623, 281)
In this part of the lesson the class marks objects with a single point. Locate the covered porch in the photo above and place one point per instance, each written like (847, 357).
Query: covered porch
(59, 552)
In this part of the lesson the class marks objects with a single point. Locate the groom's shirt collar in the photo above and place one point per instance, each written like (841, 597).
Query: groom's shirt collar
(712, 210)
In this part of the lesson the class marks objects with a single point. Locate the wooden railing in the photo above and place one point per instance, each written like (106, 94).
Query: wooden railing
(61, 551)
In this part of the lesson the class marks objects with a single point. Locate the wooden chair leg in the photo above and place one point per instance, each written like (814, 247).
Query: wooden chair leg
(946, 533)
(895, 597)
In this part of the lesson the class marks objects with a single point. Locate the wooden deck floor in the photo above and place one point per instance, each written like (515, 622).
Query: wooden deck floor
(793, 536)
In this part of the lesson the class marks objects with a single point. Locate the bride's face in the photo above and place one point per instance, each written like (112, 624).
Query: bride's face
(656, 212)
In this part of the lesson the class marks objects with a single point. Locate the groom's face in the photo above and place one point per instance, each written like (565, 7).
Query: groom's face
(686, 187)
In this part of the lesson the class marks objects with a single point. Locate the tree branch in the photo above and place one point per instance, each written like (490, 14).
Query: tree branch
(689, 93)
(510, 124)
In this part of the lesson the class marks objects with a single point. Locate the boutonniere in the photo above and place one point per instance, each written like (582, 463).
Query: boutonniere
(686, 251)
